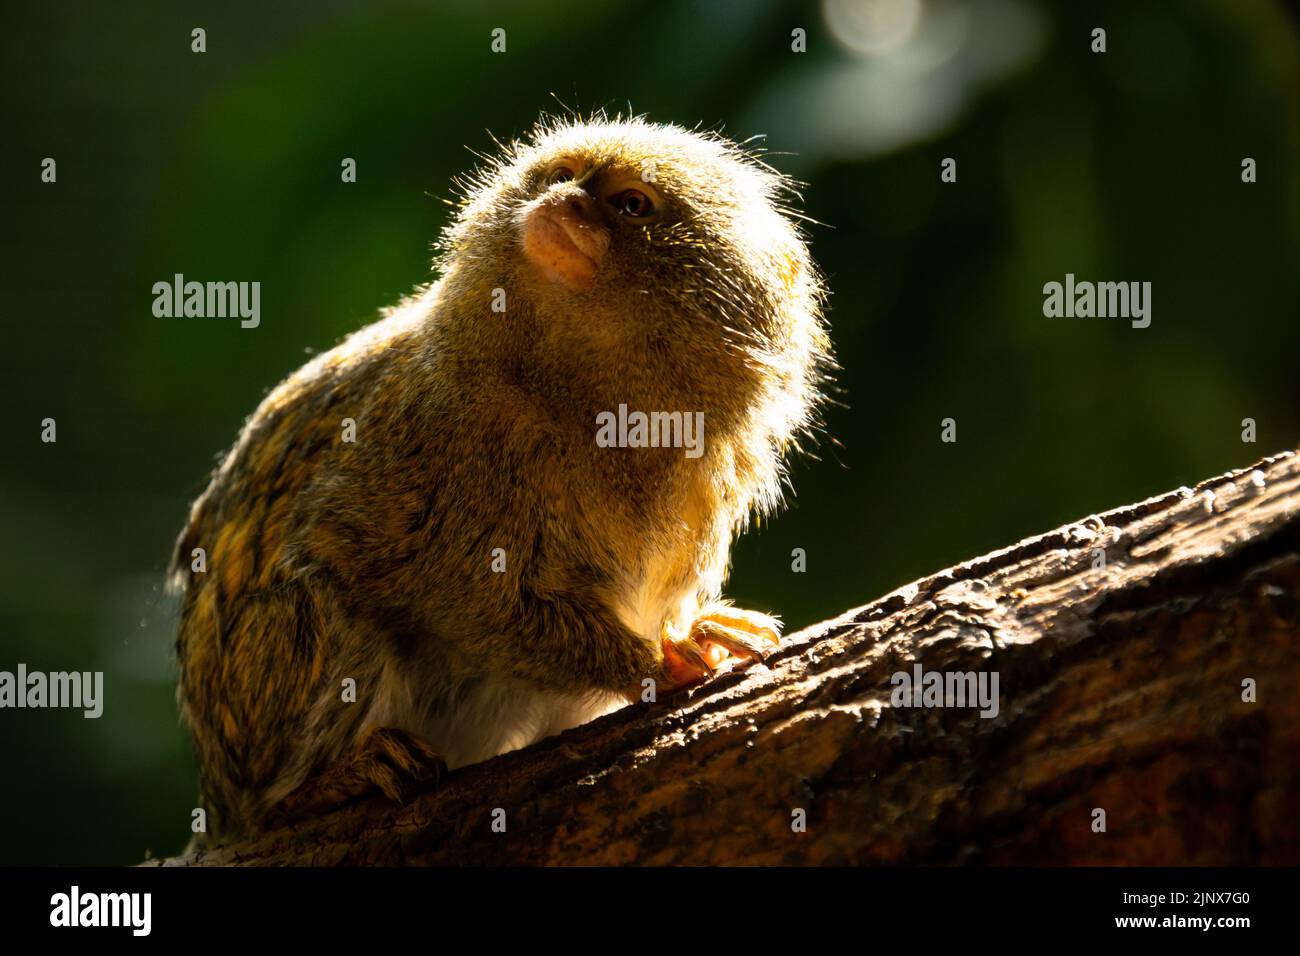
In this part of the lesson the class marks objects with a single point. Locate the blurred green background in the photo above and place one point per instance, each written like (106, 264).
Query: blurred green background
(225, 165)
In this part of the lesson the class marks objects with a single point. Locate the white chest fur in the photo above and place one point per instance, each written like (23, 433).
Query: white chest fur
(500, 714)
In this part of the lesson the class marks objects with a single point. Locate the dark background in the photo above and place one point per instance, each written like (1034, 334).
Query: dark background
(225, 165)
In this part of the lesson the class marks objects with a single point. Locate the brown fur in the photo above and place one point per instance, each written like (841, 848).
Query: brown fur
(475, 431)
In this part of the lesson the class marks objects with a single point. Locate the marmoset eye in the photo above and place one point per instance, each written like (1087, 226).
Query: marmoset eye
(560, 174)
(633, 202)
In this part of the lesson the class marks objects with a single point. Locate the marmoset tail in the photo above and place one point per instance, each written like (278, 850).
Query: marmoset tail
(506, 507)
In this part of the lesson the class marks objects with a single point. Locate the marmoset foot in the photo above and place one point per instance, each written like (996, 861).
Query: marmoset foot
(392, 761)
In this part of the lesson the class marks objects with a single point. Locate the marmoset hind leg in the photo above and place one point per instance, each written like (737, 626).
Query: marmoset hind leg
(262, 686)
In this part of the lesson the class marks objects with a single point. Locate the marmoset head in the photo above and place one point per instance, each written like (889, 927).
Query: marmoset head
(651, 237)
(630, 208)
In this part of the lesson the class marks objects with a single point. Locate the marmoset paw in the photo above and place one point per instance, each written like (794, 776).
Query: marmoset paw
(396, 763)
(719, 638)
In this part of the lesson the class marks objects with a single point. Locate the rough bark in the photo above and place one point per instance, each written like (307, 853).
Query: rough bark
(1121, 688)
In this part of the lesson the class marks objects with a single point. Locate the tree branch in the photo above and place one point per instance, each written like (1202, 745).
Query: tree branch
(1121, 688)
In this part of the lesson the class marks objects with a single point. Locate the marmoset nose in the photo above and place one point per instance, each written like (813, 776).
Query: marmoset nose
(577, 202)
(565, 237)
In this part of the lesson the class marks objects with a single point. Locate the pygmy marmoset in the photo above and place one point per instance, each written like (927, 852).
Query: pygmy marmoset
(484, 568)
